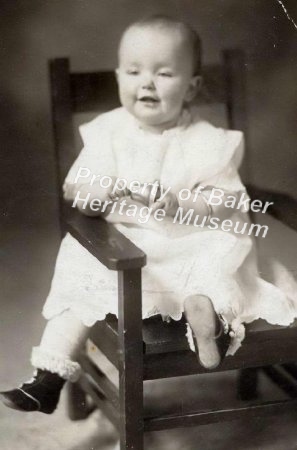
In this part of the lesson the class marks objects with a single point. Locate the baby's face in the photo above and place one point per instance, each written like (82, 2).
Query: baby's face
(155, 75)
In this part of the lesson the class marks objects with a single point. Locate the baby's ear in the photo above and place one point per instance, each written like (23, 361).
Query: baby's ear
(194, 87)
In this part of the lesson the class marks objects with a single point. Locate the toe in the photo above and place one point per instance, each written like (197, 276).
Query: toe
(17, 399)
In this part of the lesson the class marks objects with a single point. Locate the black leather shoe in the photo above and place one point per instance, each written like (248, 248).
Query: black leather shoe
(41, 393)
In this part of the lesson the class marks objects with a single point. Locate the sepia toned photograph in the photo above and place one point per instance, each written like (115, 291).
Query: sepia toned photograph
(148, 225)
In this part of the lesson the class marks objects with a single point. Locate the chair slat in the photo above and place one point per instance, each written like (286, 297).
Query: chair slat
(93, 91)
(105, 338)
(103, 382)
(219, 415)
(99, 398)
(98, 91)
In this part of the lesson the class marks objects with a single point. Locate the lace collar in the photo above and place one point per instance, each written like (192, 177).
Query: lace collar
(183, 122)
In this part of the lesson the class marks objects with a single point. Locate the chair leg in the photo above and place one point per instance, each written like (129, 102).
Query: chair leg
(78, 407)
(247, 385)
(130, 360)
(131, 424)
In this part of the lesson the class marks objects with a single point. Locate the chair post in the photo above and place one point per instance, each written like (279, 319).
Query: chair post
(59, 70)
(130, 360)
(235, 77)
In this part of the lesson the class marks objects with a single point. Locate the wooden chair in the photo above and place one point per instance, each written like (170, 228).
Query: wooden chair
(152, 349)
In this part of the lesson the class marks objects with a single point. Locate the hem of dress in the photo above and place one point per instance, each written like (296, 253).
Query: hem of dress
(237, 324)
(91, 322)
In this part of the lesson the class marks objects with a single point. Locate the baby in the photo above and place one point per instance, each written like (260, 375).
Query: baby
(205, 273)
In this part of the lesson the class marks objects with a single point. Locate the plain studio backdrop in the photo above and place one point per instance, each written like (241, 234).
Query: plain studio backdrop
(88, 31)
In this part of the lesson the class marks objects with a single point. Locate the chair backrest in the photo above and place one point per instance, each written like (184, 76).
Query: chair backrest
(73, 93)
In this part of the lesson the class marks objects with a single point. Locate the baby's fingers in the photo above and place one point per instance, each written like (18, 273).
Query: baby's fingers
(158, 205)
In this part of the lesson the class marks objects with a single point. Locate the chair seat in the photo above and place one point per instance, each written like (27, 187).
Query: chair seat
(164, 342)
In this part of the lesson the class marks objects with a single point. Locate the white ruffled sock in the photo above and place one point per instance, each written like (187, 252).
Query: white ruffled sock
(65, 368)
(61, 341)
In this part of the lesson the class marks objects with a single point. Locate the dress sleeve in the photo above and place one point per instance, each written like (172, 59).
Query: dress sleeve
(96, 157)
(227, 178)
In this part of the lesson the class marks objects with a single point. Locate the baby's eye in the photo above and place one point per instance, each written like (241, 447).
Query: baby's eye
(132, 72)
(165, 74)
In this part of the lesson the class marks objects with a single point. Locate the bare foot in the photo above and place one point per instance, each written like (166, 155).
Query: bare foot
(202, 319)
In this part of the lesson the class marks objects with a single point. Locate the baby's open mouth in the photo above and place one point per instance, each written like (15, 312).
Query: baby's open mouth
(147, 98)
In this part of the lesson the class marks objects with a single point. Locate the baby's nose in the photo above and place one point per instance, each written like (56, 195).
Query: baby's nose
(148, 82)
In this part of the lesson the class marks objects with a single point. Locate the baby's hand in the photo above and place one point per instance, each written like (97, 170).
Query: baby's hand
(117, 190)
(169, 203)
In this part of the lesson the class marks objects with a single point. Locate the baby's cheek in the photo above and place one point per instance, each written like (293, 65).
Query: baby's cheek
(176, 94)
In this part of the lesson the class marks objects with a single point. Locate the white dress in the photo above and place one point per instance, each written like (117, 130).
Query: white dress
(182, 260)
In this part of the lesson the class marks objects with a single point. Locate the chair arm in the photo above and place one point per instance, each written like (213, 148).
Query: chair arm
(102, 240)
(284, 207)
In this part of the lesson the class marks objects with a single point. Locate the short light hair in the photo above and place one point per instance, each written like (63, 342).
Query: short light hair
(163, 21)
